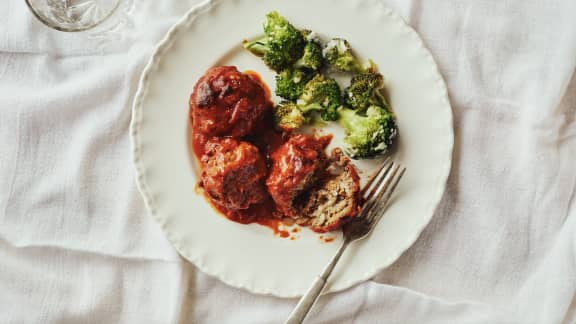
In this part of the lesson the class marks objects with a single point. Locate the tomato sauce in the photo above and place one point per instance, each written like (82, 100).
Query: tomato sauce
(276, 225)
(264, 137)
(205, 100)
(254, 75)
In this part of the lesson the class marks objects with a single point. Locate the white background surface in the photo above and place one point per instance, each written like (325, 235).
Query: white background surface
(249, 256)
(76, 244)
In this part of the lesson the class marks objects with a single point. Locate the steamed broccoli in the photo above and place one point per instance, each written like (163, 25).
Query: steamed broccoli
(290, 83)
(321, 94)
(282, 44)
(368, 133)
(365, 90)
(312, 58)
(288, 117)
(339, 55)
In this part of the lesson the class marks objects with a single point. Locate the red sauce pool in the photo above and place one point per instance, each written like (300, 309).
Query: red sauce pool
(275, 225)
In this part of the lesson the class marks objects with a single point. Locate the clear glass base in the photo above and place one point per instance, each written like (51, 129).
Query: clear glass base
(73, 15)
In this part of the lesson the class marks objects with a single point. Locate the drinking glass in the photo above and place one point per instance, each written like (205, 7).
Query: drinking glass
(73, 15)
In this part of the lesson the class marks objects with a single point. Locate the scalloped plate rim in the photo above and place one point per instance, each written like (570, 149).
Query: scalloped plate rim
(151, 65)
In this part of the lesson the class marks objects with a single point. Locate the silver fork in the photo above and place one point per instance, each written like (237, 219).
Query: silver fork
(377, 193)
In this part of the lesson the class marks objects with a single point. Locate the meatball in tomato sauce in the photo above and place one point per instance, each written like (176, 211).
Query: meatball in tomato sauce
(295, 168)
(226, 102)
(234, 173)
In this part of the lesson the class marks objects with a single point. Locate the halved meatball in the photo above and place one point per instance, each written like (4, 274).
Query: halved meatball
(226, 102)
(333, 201)
(295, 167)
(234, 173)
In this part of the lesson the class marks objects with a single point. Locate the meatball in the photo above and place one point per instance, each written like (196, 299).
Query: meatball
(334, 201)
(295, 168)
(226, 102)
(234, 173)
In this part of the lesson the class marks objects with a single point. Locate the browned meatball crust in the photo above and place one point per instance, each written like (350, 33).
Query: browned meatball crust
(226, 102)
(295, 167)
(234, 173)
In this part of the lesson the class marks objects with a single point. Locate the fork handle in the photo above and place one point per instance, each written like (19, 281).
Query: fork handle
(303, 307)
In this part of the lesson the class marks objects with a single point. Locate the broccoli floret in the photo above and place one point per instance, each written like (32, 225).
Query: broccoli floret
(339, 55)
(321, 94)
(281, 45)
(290, 83)
(288, 117)
(365, 90)
(330, 113)
(277, 27)
(369, 133)
(312, 58)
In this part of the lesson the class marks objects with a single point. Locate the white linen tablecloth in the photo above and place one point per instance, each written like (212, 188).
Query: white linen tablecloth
(77, 245)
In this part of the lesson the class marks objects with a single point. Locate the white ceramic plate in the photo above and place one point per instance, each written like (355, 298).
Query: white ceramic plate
(250, 256)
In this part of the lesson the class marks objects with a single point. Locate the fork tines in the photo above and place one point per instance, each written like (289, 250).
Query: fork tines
(379, 189)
